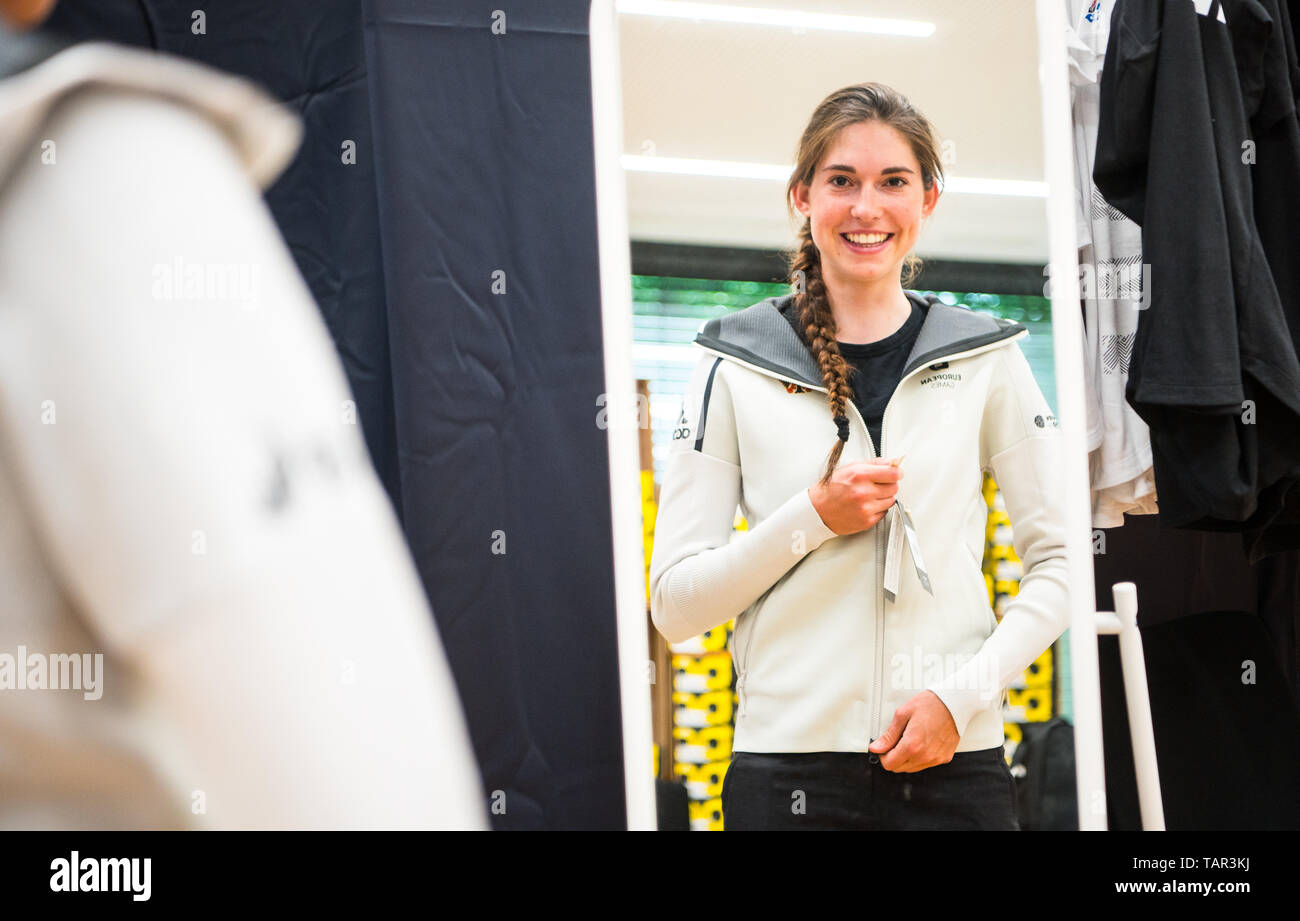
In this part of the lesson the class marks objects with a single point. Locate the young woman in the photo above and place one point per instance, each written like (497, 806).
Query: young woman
(870, 668)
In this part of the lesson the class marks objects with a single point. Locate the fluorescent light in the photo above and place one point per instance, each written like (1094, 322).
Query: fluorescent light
(731, 169)
(664, 353)
(1016, 187)
(793, 19)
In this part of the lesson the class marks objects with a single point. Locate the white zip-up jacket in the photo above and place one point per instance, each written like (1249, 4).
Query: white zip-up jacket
(822, 658)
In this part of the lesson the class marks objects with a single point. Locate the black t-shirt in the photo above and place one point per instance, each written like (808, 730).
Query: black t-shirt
(877, 368)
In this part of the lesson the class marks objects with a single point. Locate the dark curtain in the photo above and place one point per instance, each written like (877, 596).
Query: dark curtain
(487, 213)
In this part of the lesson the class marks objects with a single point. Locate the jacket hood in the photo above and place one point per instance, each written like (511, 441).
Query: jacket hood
(764, 335)
(37, 74)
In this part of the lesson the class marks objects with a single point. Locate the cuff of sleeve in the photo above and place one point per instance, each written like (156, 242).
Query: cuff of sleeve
(804, 517)
(965, 694)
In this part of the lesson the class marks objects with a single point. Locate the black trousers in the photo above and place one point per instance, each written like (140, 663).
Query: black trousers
(851, 791)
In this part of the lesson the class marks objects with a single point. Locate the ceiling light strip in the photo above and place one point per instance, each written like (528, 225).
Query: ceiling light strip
(792, 19)
(731, 169)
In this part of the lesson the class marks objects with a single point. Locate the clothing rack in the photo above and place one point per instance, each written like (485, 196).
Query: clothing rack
(1123, 623)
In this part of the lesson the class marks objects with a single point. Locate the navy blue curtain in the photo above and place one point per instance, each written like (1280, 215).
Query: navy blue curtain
(455, 264)
(487, 212)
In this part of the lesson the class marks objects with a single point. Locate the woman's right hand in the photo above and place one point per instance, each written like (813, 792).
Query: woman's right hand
(857, 495)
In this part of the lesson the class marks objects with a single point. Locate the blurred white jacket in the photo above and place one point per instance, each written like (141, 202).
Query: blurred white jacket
(184, 488)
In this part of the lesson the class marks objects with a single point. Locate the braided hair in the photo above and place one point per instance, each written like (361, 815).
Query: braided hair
(850, 105)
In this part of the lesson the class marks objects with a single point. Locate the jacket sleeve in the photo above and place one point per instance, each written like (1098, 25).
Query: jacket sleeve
(700, 575)
(1020, 442)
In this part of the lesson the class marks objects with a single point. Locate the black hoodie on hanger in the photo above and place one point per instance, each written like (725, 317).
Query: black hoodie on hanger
(1214, 370)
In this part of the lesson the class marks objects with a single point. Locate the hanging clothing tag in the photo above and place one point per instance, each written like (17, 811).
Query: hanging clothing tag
(893, 556)
(914, 545)
(1211, 9)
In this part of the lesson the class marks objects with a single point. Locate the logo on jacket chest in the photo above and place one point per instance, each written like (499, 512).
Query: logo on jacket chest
(941, 378)
(791, 387)
(683, 427)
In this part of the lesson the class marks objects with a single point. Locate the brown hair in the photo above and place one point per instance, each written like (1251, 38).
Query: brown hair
(850, 105)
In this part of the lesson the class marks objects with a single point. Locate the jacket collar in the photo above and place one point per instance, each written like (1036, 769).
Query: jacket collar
(763, 336)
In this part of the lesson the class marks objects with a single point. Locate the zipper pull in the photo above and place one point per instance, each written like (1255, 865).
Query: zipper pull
(914, 545)
(902, 530)
(893, 555)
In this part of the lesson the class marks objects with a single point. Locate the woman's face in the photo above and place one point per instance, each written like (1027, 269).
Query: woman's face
(868, 182)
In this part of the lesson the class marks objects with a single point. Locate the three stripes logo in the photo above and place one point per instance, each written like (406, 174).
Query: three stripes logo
(683, 427)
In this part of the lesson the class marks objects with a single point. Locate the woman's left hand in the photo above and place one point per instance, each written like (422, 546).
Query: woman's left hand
(921, 735)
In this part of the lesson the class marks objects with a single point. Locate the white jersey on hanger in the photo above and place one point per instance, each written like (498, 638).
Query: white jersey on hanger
(1110, 256)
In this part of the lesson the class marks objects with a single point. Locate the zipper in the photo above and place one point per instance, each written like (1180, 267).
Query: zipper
(880, 579)
(878, 670)
(880, 562)
(876, 683)
(880, 623)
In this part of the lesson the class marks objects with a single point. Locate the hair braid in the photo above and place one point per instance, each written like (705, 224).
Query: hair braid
(818, 324)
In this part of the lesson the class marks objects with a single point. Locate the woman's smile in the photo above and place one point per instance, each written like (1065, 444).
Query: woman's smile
(866, 248)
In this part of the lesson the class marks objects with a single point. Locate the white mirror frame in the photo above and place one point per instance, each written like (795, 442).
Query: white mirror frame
(1067, 345)
(620, 388)
(621, 413)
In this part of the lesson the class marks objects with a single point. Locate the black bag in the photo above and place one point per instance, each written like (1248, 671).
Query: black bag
(672, 805)
(1043, 768)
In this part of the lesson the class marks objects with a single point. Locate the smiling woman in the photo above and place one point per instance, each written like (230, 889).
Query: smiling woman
(834, 707)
